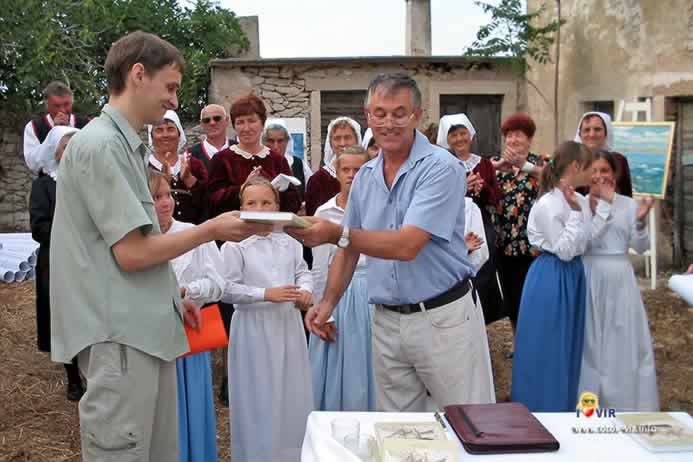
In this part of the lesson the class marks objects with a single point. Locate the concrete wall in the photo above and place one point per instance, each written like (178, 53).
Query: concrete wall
(293, 89)
(613, 50)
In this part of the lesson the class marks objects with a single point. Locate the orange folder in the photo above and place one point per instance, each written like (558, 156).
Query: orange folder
(211, 335)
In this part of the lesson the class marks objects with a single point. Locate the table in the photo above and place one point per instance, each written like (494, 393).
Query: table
(319, 446)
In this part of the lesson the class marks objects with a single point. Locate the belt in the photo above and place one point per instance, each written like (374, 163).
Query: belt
(458, 291)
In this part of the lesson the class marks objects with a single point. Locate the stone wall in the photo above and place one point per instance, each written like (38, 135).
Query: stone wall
(292, 87)
(16, 178)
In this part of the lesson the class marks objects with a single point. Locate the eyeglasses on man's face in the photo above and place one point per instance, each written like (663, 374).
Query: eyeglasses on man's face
(380, 120)
(216, 118)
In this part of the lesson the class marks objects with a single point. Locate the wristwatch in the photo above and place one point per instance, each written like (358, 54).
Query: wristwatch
(343, 241)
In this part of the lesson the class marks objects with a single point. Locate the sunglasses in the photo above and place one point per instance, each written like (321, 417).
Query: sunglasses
(216, 118)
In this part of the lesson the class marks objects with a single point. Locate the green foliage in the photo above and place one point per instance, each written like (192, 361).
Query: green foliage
(68, 40)
(513, 32)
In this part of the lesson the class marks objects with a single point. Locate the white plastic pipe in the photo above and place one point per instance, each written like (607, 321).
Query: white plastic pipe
(20, 276)
(30, 258)
(7, 275)
(30, 275)
(14, 263)
(12, 236)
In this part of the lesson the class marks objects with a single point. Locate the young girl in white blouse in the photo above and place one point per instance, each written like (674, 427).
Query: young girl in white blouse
(551, 324)
(270, 393)
(197, 272)
(618, 360)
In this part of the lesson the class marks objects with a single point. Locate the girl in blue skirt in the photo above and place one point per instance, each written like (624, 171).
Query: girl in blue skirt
(342, 371)
(550, 328)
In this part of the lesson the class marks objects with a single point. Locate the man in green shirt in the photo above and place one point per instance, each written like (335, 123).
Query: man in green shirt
(115, 300)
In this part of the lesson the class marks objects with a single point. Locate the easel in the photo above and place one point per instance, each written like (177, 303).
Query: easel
(650, 255)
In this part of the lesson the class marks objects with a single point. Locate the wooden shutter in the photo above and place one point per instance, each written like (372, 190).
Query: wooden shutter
(484, 111)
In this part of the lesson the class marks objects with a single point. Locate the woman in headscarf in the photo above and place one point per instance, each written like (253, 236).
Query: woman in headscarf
(369, 144)
(596, 131)
(188, 174)
(276, 136)
(324, 185)
(232, 167)
(41, 211)
(456, 133)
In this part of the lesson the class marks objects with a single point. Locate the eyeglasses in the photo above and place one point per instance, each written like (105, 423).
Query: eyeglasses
(216, 118)
(397, 121)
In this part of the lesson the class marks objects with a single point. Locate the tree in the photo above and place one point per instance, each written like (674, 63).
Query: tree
(68, 40)
(514, 33)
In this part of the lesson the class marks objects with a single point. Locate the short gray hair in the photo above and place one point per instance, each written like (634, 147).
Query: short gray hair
(392, 82)
(274, 126)
(57, 88)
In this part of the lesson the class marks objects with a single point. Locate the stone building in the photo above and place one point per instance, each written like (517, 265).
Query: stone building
(614, 50)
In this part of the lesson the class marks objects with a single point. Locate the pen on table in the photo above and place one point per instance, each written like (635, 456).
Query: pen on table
(439, 419)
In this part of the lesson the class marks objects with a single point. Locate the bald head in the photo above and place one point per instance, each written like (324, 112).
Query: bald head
(212, 109)
(215, 122)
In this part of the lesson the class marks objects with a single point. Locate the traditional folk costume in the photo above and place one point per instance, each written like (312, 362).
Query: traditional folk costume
(205, 150)
(624, 185)
(486, 280)
(190, 203)
(199, 272)
(41, 212)
(551, 325)
(270, 391)
(343, 377)
(618, 362)
(229, 169)
(324, 185)
(35, 133)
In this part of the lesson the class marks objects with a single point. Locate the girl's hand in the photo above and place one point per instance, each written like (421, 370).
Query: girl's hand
(282, 294)
(570, 196)
(305, 300)
(607, 189)
(644, 207)
(473, 241)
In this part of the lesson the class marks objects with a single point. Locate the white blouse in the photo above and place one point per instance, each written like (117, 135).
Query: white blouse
(554, 227)
(199, 270)
(323, 254)
(262, 262)
(616, 231)
(474, 223)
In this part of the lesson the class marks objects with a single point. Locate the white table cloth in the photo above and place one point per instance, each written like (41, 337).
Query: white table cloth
(318, 444)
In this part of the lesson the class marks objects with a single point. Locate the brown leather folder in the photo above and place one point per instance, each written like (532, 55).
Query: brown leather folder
(499, 428)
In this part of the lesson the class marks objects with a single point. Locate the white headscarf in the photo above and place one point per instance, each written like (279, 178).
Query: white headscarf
(329, 154)
(606, 118)
(281, 123)
(46, 151)
(173, 117)
(449, 121)
(367, 138)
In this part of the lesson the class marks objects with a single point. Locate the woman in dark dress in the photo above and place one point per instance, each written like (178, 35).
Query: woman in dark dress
(455, 133)
(41, 211)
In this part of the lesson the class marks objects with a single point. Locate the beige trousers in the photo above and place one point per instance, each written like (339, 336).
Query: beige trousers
(444, 351)
(129, 412)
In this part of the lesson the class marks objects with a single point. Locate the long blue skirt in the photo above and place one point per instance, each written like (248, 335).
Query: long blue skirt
(342, 371)
(549, 335)
(197, 423)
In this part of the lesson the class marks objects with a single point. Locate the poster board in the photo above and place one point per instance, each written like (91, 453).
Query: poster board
(297, 131)
(647, 147)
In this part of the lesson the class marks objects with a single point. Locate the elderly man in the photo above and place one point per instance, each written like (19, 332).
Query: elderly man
(215, 122)
(406, 212)
(59, 100)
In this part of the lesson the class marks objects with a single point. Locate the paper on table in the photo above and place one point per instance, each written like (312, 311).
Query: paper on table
(212, 333)
(278, 219)
(657, 431)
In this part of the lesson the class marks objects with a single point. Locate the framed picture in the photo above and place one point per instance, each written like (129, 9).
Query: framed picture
(297, 131)
(647, 147)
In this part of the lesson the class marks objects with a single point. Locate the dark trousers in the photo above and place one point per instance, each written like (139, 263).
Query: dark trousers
(512, 272)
